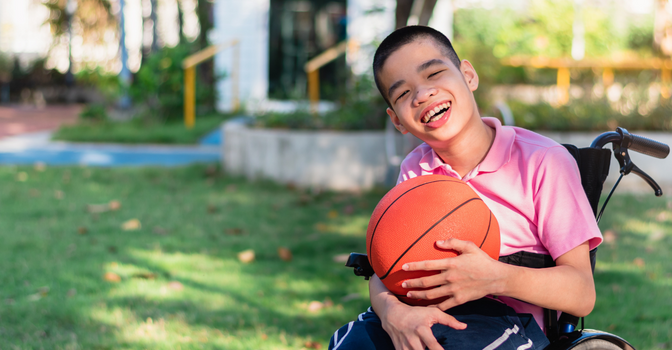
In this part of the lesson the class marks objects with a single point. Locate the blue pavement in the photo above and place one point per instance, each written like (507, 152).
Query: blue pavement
(38, 147)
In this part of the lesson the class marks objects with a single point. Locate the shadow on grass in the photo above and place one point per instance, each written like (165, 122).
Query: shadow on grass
(194, 223)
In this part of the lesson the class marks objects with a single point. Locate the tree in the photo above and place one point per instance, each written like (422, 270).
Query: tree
(419, 11)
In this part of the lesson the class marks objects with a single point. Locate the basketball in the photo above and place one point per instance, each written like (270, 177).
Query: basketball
(415, 214)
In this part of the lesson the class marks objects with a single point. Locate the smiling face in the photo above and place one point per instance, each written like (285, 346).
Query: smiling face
(429, 96)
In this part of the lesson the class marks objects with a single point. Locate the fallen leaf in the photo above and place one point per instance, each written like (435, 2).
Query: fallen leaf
(114, 205)
(145, 275)
(72, 292)
(112, 277)
(34, 192)
(40, 166)
(609, 236)
(9, 301)
(348, 209)
(328, 303)
(246, 256)
(160, 230)
(315, 306)
(234, 231)
(211, 170)
(231, 188)
(58, 194)
(322, 227)
(351, 296)
(44, 291)
(82, 230)
(264, 336)
(112, 249)
(341, 258)
(639, 262)
(35, 297)
(133, 224)
(313, 345)
(212, 209)
(333, 214)
(175, 285)
(284, 254)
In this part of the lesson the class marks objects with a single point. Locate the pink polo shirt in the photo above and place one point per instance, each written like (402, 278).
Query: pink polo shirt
(532, 186)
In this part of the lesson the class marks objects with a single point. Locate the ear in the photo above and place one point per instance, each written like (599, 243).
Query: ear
(470, 75)
(396, 121)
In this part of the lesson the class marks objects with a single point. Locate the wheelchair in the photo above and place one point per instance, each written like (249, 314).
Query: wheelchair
(593, 163)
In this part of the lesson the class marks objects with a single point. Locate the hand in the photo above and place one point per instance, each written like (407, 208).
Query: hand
(469, 276)
(410, 327)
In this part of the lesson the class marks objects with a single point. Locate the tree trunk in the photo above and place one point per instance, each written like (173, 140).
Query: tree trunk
(405, 8)
(180, 21)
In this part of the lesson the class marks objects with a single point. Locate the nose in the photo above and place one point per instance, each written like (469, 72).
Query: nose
(423, 94)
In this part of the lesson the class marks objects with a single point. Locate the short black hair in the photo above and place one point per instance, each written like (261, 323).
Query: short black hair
(406, 35)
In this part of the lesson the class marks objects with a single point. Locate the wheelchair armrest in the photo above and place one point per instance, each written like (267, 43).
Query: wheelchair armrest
(360, 263)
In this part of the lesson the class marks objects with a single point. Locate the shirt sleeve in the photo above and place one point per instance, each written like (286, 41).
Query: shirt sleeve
(564, 215)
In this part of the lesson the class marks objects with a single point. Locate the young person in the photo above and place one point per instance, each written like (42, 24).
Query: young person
(530, 183)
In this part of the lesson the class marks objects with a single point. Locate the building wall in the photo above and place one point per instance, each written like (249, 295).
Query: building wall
(246, 21)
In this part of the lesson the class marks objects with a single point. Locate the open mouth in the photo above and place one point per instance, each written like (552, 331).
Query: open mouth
(436, 113)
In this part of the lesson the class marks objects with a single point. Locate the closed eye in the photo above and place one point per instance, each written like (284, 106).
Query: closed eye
(435, 73)
(402, 95)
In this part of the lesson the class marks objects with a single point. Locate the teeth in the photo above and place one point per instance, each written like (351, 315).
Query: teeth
(432, 112)
(437, 109)
(433, 115)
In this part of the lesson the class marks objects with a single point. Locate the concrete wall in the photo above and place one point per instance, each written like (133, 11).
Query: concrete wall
(659, 169)
(349, 161)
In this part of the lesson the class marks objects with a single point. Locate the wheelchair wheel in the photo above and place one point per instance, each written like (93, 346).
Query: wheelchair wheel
(597, 344)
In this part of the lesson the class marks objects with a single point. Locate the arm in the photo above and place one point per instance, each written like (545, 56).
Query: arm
(409, 327)
(567, 287)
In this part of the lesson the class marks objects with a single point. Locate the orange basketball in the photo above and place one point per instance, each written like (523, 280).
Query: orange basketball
(415, 214)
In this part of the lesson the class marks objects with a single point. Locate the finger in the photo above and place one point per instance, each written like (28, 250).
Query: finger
(457, 245)
(427, 265)
(425, 282)
(451, 321)
(430, 294)
(448, 304)
(427, 337)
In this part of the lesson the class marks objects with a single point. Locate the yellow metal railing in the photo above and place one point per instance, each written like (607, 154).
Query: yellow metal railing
(608, 66)
(189, 65)
(313, 66)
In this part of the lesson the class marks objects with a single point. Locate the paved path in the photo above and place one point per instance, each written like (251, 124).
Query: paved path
(25, 138)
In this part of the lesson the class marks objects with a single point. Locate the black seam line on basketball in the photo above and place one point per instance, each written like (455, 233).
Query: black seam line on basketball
(487, 232)
(391, 204)
(426, 232)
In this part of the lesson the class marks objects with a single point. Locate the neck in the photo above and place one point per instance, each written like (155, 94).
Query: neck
(468, 149)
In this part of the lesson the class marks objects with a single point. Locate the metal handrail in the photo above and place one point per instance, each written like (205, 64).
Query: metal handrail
(312, 68)
(189, 65)
(564, 64)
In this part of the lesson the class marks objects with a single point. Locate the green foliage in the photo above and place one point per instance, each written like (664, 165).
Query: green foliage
(582, 115)
(107, 84)
(159, 84)
(94, 112)
(363, 109)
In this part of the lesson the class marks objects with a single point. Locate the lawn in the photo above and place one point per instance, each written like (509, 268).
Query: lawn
(137, 131)
(148, 258)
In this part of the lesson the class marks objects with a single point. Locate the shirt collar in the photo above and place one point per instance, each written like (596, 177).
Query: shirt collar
(498, 155)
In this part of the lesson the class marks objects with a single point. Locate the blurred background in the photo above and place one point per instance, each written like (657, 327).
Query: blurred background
(191, 174)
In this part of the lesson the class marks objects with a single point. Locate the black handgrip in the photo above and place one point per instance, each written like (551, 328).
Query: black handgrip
(649, 147)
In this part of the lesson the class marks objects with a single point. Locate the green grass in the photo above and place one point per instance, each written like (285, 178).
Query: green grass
(138, 131)
(181, 283)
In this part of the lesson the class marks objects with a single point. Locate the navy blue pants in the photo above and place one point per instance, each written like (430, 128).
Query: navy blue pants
(490, 325)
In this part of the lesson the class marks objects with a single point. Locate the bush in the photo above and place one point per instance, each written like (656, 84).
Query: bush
(94, 112)
(588, 116)
(362, 109)
(159, 84)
